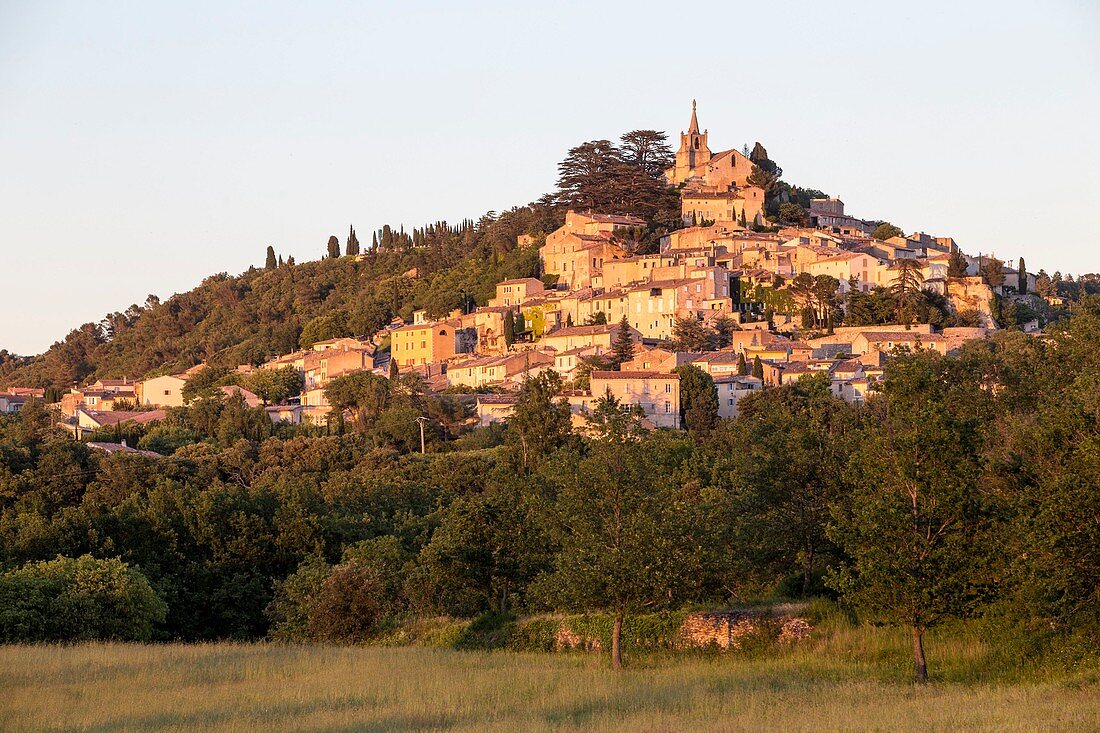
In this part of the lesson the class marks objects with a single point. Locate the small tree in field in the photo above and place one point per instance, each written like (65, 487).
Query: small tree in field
(625, 533)
(913, 524)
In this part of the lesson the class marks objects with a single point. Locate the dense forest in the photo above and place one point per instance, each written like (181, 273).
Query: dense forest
(964, 488)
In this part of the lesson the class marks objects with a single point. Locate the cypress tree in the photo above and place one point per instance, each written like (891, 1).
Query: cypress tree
(394, 372)
(509, 328)
(333, 247)
(758, 368)
(353, 243)
(1023, 277)
(742, 365)
(271, 262)
(280, 260)
(374, 240)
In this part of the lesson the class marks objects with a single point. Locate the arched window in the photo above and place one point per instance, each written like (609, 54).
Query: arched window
(442, 332)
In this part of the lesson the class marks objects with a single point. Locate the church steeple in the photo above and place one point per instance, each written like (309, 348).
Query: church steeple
(693, 128)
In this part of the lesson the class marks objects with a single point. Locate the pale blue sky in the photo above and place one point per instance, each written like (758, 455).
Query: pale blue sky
(146, 145)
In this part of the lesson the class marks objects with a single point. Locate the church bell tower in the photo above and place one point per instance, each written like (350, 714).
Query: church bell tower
(693, 152)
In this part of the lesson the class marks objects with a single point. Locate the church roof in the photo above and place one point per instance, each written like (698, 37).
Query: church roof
(693, 128)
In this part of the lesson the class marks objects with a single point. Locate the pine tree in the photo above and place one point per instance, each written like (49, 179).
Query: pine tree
(353, 243)
(333, 247)
(290, 261)
(623, 345)
(271, 263)
(956, 265)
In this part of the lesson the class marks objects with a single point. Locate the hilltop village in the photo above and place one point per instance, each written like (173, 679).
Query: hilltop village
(745, 297)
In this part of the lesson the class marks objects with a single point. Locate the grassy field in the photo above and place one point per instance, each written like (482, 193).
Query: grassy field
(846, 681)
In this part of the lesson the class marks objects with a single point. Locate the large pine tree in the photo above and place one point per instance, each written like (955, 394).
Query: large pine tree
(623, 345)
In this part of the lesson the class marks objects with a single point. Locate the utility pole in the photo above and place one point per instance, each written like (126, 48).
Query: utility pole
(421, 420)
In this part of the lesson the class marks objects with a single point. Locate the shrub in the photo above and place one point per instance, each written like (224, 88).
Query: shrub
(79, 599)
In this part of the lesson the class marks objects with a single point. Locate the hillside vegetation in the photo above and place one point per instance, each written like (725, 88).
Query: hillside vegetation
(230, 320)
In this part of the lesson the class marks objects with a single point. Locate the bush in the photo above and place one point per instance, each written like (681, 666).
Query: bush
(79, 599)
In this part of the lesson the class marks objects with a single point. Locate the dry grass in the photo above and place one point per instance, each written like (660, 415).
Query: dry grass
(838, 684)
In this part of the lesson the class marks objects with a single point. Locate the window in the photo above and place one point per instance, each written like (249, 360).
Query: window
(668, 388)
(731, 402)
(668, 408)
(167, 392)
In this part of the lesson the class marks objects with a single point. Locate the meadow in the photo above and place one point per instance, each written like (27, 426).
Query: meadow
(855, 679)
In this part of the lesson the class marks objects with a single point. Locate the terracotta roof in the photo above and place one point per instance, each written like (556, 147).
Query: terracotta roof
(634, 375)
(103, 418)
(614, 219)
(112, 448)
(497, 399)
(518, 280)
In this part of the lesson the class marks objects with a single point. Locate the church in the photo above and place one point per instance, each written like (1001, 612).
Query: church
(714, 186)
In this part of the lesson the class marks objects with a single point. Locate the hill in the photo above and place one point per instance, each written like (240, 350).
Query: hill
(247, 318)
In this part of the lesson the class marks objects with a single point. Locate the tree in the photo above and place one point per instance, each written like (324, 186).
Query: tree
(724, 328)
(352, 248)
(599, 318)
(275, 386)
(698, 400)
(993, 271)
(366, 395)
(271, 263)
(742, 366)
(509, 328)
(77, 599)
(885, 230)
(757, 368)
(324, 327)
(956, 265)
(539, 423)
(913, 529)
(689, 334)
(1022, 268)
(907, 290)
(333, 247)
(626, 536)
(588, 177)
(622, 347)
(787, 454)
(394, 374)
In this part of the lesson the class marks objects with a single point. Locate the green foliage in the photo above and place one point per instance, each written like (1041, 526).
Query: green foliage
(698, 400)
(886, 230)
(276, 386)
(622, 347)
(77, 599)
(322, 328)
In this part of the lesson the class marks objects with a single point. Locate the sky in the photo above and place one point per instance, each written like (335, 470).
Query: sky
(144, 146)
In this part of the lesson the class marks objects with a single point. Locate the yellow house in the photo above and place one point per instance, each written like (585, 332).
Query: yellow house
(657, 394)
(577, 337)
(511, 293)
(163, 391)
(425, 343)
